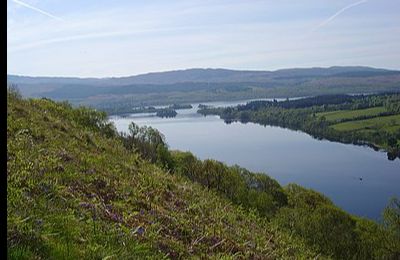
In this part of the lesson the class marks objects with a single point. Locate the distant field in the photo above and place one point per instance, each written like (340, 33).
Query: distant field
(388, 123)
(349, 114)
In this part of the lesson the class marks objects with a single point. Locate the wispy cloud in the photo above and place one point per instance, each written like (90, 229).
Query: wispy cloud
(85, 36)
(38, 10)
(331, 18)
(131, 37)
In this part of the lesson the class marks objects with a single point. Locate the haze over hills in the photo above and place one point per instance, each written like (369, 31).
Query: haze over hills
(208, 75)
(200, 85)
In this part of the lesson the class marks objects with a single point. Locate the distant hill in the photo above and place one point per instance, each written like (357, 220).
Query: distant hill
(200, 85)
(207, 75)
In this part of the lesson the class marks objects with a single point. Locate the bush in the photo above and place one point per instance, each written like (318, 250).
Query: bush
(13, 92)
(250, 190)
(149, 142)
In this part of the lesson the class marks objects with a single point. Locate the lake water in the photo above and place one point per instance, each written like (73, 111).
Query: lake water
(333, 169)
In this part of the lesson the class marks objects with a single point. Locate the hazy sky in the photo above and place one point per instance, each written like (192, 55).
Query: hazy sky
(101, 38)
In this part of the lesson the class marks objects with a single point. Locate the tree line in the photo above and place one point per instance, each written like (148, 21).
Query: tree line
(301, 115)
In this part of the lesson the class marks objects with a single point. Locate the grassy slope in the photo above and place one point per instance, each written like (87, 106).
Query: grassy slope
(382, 123)
(73, 193)
(350, 114)
(386, 123)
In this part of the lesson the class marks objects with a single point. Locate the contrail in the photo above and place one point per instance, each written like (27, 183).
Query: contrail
(337, 14)
(30, 45)
(37, 10)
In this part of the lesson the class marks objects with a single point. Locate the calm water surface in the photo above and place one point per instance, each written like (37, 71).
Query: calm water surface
(288, 156)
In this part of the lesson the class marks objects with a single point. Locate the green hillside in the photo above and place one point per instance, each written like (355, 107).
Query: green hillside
(78, 190)
(340, 115)
(75, 193)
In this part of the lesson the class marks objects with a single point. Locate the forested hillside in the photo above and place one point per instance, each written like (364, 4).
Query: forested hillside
(77, 189)
(372, 120)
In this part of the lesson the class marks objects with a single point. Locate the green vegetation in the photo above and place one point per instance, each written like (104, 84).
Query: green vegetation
(340, 115)
(166, 112)
(78, 190)
(181, 106)
(202, 106)
(143, 109)
(373, 119)
(160, 112)
(386, 123)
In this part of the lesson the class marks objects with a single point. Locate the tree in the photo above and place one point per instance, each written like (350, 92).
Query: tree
(245, 116)
(13, 91)
(149, 142)
(391, 220)
(392, 142)
(391, 216)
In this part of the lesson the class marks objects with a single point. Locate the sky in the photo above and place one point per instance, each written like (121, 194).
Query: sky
(102, 38)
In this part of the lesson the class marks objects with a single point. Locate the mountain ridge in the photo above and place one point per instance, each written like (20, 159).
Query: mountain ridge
(120, 94)
(334, 69)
